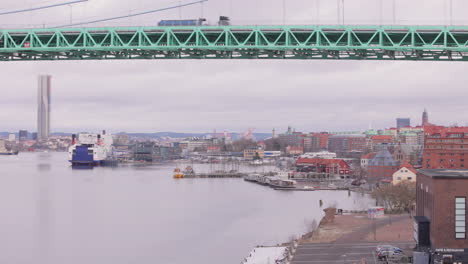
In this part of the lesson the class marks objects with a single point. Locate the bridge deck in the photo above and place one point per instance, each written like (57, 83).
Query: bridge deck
(427, 43)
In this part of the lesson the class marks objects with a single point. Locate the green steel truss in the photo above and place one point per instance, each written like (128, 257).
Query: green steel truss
(430, 43)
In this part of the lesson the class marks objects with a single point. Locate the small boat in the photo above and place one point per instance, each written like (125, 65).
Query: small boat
(252, 177)
(178, 174)
(277, 182)
(188, 171)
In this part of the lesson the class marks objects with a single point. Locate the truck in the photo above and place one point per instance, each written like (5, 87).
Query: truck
(182, 23)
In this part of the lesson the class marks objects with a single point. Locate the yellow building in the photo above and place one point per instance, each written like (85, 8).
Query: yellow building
(250, 153)
(405, 173)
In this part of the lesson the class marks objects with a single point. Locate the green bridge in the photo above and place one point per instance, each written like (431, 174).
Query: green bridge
(419, 43)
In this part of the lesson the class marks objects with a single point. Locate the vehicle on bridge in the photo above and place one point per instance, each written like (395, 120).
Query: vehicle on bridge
(182, 23)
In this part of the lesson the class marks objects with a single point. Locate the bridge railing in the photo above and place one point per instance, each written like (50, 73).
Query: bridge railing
(295, 42)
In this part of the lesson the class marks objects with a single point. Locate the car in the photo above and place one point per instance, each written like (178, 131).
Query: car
(386, 253)
(380, 247)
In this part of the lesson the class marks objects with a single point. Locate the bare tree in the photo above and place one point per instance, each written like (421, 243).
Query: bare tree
(396, 198)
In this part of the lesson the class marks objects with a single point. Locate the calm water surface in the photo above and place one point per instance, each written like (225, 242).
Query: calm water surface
(51, 214)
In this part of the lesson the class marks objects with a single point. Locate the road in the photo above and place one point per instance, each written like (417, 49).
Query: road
(342, 253)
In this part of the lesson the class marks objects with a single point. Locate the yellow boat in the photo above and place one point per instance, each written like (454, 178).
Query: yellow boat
(178, 174)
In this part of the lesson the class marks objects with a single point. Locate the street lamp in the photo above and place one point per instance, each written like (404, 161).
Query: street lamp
(344, 259)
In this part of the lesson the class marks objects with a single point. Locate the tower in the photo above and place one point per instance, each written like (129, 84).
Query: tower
(43, 107)
(403, 122)
(425, 118)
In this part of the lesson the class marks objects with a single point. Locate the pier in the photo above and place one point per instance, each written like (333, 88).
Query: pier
(215, 175)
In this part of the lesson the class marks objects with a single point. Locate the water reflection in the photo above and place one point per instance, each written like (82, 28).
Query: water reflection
(142, 215)
(44, 211)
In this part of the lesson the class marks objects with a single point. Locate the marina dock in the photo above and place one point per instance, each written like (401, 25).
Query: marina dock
(215, 175)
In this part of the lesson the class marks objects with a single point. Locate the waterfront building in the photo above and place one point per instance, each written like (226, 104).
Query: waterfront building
(346, 143)
(195, 144)
(403, 122)
(440, 222)
(11, 137)
(445, 147)
(251, 153)
(34, 136)
(321, 154)
(272, 153)
(43, 111)
(406, 172)
(328, 166)
(382, 166)
(23, 135)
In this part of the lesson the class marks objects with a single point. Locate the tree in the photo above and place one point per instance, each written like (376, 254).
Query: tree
(396, 198)
(242, 144)
(257, 156)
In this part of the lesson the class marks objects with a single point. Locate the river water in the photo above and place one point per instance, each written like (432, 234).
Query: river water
(52, 214)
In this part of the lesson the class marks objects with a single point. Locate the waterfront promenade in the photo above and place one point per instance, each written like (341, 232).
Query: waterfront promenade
(353, 239)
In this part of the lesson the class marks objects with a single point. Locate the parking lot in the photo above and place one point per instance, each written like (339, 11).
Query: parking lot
(344, 253)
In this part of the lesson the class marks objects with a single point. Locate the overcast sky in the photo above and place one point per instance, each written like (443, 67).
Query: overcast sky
(198, 96)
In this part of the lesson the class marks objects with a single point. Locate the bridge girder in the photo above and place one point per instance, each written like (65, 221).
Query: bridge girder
(430, 43)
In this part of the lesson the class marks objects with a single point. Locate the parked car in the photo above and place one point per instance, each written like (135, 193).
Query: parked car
(390, 253)
(380, 247)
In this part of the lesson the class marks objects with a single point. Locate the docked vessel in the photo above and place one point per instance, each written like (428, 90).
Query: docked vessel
(90, 149)
(189, 171)
(4, 151)
(178, 173)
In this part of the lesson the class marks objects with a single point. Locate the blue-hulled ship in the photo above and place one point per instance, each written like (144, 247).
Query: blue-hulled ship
(90, 149)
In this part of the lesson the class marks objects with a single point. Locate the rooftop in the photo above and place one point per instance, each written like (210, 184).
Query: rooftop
(445, 173)
(408, 166)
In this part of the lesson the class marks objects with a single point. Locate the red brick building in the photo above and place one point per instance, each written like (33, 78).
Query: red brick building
(322, 139)
(379, 139)
(445, 147)
(382, 166)
(336, 166)
(294, 150)
(346, 143)
(441, 197)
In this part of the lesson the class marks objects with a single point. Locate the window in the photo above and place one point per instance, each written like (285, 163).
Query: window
(409, 178)
(460, 217)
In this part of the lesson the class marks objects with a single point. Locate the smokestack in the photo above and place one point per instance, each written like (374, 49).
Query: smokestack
(99, 139)
(73, 139)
